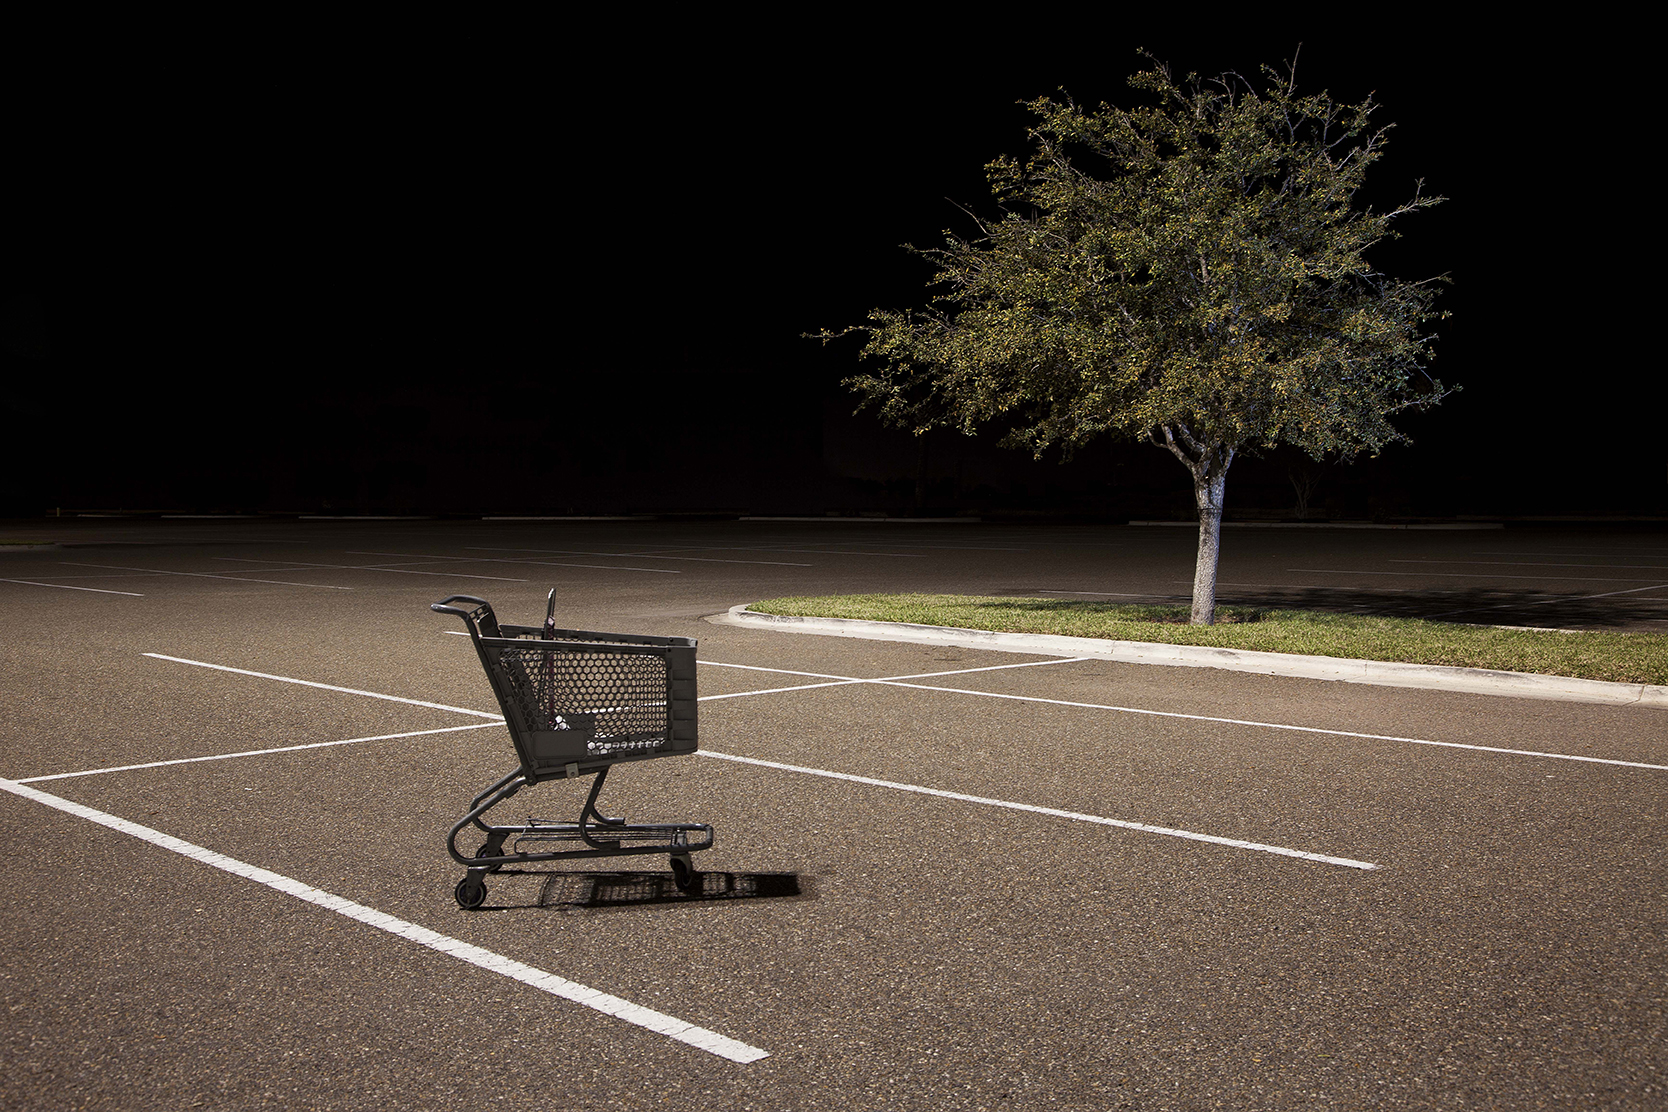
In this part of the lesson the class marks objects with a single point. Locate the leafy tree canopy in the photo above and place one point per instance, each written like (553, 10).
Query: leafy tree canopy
(1191, 272)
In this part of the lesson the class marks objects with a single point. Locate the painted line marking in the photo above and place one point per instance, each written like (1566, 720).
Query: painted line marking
(1551, 601)
(937, 547)
(535, 563)
(637, 555)
(760, 668)
(797, 550)
(845, 552)
(1232, 842)
(1468, 575)
(1288, 586)
(325, 686)
(252, 753)
(777, 690)
(912, 676)
(1100, 820)
(902, 681)
(1631, 554)
(598, 567)
(1285, 726)
(649, 1019)
(67, 587)
(840, 681)
(1537, 564)
(1112, 594)
(369, 567)
(206, 575)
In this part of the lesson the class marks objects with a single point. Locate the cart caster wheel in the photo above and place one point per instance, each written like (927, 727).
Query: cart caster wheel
(484, 852)
(470, 893)
(684, 875)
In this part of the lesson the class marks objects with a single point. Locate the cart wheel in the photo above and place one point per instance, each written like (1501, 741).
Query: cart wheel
(470, 893)
(482, 852)
(684, 874)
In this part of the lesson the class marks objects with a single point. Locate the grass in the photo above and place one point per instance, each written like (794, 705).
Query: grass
(1620, 657)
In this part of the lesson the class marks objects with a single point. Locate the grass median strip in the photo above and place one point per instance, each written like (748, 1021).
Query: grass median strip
(1617, 657)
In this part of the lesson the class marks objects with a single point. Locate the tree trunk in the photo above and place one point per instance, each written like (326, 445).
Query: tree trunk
(1207, 494)
(1208, 464)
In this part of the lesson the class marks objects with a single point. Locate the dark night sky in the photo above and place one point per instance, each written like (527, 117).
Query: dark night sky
(553, 267)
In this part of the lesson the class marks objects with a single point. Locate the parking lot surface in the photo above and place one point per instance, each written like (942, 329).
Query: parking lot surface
(944, 878)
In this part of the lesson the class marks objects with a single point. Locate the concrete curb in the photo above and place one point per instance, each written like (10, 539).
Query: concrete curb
(1478, 681)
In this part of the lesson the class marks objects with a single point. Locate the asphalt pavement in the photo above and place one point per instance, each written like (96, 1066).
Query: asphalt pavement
(944, 877)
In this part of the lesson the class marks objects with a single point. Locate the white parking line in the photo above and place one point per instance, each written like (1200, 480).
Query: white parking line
(659, 1022)
(325, 686)
(775, 690)
(837, 681)
(1376, 589)
(1537, 564)
(797, 550)
(252, 753)
(67, 587)
(1283, 726)
(895, 543)
(1464, 575)
(1111, 594)
(205, 575)
(598, 567)
(535, 563)
(903, 681)
(1550, 601)
(911, 676)
(303, 565)
(1630, 554)
(1170, 832)
(636, 555)
(842, 682)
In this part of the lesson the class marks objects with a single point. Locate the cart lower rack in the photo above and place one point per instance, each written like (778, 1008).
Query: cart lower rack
(577, 703)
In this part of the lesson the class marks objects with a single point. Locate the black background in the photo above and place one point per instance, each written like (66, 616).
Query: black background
(562, 266)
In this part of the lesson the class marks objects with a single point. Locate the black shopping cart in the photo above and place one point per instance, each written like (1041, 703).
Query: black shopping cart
(577, 703)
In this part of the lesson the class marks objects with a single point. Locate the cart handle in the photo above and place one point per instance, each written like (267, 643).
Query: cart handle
(479, 621)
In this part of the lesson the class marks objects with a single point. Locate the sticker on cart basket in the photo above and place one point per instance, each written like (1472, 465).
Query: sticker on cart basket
(626, 743)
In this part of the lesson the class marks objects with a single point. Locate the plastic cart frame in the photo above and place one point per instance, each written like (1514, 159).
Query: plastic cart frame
(576, 703)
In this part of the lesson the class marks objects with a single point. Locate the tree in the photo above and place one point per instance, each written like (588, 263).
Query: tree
(1190, 272)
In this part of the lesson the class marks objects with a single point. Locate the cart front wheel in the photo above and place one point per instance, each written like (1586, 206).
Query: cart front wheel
(684, 874)
(470, 893)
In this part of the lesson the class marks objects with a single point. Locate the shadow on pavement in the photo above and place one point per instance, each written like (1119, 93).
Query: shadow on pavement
(580, 891)
(1475, 606)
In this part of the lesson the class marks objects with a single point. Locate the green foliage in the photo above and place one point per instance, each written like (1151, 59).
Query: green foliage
(1191, 272)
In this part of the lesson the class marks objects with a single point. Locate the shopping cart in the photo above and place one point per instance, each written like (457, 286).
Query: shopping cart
(577, 703)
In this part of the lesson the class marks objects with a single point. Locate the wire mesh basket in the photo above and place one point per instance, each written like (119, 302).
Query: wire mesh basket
(577, 702)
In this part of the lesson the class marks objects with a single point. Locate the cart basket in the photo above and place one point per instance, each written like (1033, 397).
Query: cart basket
(577, 702)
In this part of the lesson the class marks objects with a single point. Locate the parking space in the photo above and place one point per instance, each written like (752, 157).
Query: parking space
(944, 878)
